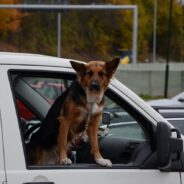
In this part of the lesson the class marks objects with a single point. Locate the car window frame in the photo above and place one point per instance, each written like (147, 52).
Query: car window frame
(110, 93)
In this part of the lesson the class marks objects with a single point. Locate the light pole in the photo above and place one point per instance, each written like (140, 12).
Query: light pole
(59, 35)
(168, 49)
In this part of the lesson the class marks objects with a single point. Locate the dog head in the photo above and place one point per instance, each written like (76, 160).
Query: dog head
(94, 77)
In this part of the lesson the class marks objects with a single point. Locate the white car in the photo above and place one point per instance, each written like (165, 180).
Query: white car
(142, 145)
(174, 102)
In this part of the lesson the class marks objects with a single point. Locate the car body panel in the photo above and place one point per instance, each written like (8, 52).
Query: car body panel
(32, 60)
(104, 176)
(2, 165)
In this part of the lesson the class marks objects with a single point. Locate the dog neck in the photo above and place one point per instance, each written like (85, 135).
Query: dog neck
(93, 108)
(79, 96)
(94, 103)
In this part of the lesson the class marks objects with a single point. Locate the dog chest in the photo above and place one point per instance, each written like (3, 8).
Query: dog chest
(84, 116)
(94, 108)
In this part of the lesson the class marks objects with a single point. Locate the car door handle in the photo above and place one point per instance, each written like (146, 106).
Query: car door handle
(39, 182)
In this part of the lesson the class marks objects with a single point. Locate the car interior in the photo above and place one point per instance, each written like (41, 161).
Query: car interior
(125, 137)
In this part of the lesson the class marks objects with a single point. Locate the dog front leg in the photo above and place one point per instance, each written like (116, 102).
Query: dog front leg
(93, 139)
(62, 142)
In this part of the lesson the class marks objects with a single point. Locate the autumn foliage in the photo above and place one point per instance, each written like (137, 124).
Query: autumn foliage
(94, 34)
(9, 19)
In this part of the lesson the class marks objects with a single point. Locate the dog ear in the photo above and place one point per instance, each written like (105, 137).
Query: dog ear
(80, 68)
(111, 66)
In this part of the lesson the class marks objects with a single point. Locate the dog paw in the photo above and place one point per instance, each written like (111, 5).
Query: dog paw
(104, 162)
(65, 161)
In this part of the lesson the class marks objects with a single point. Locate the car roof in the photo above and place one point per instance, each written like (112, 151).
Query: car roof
(7, 58)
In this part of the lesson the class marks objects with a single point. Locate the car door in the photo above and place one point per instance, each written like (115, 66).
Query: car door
(2, 163)
(19, 171)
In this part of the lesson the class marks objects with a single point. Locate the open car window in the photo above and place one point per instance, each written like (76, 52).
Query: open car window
(122, 140)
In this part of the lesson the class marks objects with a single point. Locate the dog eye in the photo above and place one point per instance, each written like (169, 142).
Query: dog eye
(89, 73)
(101, 73)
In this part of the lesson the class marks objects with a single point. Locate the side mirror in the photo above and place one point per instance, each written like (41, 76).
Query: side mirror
(106, 118)
(169, 147)
(181, 99)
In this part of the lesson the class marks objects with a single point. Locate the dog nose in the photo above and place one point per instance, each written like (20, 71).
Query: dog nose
(95, 86)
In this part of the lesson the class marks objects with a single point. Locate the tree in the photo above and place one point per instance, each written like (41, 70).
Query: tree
(9, 19)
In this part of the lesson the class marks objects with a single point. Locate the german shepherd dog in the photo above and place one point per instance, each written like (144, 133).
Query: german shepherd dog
(77, 110)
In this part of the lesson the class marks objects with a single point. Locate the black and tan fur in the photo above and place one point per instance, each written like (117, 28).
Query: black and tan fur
(78, 109)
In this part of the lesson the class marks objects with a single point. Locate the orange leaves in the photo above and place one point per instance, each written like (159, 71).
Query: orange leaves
(9, 18)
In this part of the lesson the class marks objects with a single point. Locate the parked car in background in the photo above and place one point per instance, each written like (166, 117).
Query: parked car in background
(174, 102)
(174, 115)
(49, 90)
(171, 109)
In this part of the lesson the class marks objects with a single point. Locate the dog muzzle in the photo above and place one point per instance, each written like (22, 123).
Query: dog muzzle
(95, 86)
